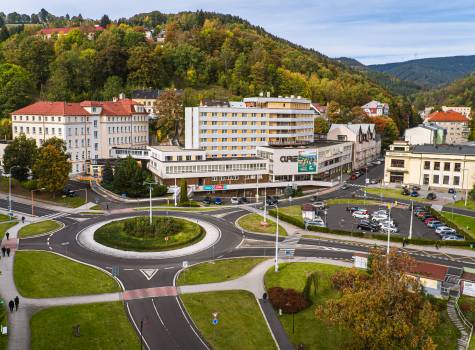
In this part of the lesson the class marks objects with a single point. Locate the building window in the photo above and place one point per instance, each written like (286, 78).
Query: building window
(456, 180)
(435, 179)
(446, 166)
(397, 163)
(426, 165)
(426, 179)
(457, 167)
(437, 167)
(446, 180)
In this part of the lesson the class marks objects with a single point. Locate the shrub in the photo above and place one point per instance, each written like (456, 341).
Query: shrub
(345, 279)
(288, 300)
(161, 226)
(30, 184)
(159, 190)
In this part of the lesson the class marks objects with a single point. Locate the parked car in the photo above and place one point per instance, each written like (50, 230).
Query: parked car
(425, 216)
(317, 221)
(434, 224)
(431, 196)
(271, 200)
(218, 201)
(68, 192)
(243, 200)
(422, 214)
(378, 162)
(416, 188)
(414, 194)
(388, 227)
(374, 181)
(235, 200)
(380, 217)
(206, 200)
(366, 225)
(345, 187)
(445, 230)
(319, 205)
(453, 238)
(353, 209)
(429, 219)
(353, 177)
(360, 215)
(451, 190)
(405, 192)
(380, 212)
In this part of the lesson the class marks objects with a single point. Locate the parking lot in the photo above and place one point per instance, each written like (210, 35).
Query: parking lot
(338, 218)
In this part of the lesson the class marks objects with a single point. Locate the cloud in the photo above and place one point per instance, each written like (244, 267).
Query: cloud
(373, 31)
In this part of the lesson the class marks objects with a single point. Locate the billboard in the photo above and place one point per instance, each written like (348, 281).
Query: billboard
(307, 161)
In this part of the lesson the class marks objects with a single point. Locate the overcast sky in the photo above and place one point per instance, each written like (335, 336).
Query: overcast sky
(372, 31)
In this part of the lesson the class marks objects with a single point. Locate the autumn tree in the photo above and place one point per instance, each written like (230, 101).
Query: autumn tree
(170, 108)
(389, 310)
(52, 168)
(321, 126)
(20, 154)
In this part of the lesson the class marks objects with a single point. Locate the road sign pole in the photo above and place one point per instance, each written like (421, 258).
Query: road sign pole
(276, 266)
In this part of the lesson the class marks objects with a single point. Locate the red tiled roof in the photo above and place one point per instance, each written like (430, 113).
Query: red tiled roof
(449, 116)
(429, 270)
(53, 108)
(66, 30)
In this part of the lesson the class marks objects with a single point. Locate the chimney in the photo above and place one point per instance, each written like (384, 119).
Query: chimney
(292, 96)
(268, 93)
(261, 94)
(121, 96)
(114, 99)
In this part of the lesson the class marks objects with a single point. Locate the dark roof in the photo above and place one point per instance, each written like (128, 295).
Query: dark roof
(149, 94)
(209, 102)
(445, 149)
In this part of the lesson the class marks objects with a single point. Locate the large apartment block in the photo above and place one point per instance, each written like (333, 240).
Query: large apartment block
(90, 129)
(237, 128)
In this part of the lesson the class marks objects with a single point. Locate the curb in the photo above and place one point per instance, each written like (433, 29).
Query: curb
(62, 225)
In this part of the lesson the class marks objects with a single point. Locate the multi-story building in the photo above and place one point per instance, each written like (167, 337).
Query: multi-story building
(376, 109)
(425, 134)
(366, 143)
(463, 110)
(434, 166)
(89, 129)
(238, 129)
(148, 99)
(456, 124)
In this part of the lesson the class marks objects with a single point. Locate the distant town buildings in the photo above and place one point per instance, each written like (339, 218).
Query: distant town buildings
(90, 31)
(465, 111)
(321, 110)
(366, 144)
(425, 134)
(456, 125)
(376, 109)
(90, 129)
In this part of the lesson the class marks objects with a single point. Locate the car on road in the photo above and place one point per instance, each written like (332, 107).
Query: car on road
(378, 162)
(453, 238)
(353, 209)
(319, 205)
(68, 192)
(243, 200)
(388, 227)
(206, 200)
(414, 194)
(317, 221)
(451, 190)
(345, 187)
(271, 200)
(360, 215)
(235, 200)
(431, 196)
(218, 201)
(366, 225)
(445, 230)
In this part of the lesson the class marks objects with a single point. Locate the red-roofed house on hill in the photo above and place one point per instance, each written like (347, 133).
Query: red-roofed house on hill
(90, 31)
(90, 129)
(456, 124)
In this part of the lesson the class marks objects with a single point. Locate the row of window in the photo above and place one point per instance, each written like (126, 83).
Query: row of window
(126, 140)
(445, 180)
(447, 166)
(26, 130)
(59, 119)
(245, 139)
(117, 129)
(207, 168)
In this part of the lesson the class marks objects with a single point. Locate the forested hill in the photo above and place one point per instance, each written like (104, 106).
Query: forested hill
(429, 72)
(207, 54)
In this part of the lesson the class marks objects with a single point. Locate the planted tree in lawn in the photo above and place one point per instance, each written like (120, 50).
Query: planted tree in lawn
(388, 310)
(52, 168)
(107, 173)
(129, 177)
(183, 192)
(22, 154)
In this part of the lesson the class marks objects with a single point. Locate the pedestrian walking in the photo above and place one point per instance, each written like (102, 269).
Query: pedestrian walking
(11, 305)
(17, 302)
(4, 250)
(22, 219)
(437, 245)
(8, 252)
(8, 235)
(107, 206)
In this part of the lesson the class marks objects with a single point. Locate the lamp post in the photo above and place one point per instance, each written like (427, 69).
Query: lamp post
(276, 264)
(466, 187)
(265, 204)
(174, 193)
(389, 234)
(150, 185)
(82, 189)
(10, 191)
(33, 199)
(412, 216)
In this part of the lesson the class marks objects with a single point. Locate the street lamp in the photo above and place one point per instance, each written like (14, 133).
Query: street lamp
(33, 200)
(412, 216)
(150, 185)
(276, 262)
(82, 189)
(10, 191)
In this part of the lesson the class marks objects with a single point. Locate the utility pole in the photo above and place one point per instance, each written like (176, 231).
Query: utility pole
(412, 217)
(276, 266)
(150, 185)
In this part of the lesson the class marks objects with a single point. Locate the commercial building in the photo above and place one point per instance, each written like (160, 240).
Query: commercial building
(456, 124)
(434, 166)
(237, 129)
(90, 129)
(425, 134)
(366, 143)
(376, 109)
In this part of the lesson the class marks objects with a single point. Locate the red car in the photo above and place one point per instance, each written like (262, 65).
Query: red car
(421, 214)
(426, 221)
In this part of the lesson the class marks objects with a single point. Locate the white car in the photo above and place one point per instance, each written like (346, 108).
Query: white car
(453, 238)
(387, 222)
(387, 227)
(380, 218)
(360, 215)
(315, 222)
(444, 230)
(378, 212)
(234, 200)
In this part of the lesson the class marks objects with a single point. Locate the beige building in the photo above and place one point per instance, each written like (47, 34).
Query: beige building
(89, 129)
(456, 124)
(148, 99)
(463, 110)
(434, 166)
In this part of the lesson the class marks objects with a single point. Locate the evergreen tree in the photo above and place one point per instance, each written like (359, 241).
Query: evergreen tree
(105, 21)
(183, 192)
(22, 154)
(129, 177)
(107, 174)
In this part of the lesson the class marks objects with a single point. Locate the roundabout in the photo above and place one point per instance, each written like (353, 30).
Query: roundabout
(111, 238)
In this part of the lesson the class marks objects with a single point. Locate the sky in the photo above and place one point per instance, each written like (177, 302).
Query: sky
(372, 31)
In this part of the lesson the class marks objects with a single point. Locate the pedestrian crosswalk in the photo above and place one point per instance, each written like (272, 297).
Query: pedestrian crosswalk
(290, 241)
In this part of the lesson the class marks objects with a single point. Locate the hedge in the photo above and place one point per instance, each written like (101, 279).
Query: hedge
(418, 241)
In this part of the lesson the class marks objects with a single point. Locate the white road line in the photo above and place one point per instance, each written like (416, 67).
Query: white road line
(156, 311)
(129, 269)
(50, 248)
(169, 268)
(191, 326)
(136, 327)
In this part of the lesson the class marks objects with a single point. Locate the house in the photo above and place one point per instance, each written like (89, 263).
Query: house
(148, 99)
(366, 144)
(90, 31)
(376, 109)
(320, 110)
(465, 111)
(425, 134)
(456, 124)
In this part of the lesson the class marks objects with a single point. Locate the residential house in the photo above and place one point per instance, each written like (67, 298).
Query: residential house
(425, 134)
(376, 109)
(456, 124)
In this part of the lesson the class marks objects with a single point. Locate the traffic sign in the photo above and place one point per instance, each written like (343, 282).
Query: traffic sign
(185, 264)
(215, 321)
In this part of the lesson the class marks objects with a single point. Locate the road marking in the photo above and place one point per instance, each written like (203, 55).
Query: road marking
(136, 327)
(156, 311)
(191, 326)
(169, 268)
(129, 269)
(50, 248)
(149, 273)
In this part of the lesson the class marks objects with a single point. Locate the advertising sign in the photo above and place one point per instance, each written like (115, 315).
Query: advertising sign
(307, 161)
(213, 187)
(469, 288)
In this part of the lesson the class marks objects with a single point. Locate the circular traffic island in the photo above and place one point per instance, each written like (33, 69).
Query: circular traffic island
(136, 234)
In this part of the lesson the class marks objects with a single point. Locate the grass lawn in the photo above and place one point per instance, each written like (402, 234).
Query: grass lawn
(47, 275)
(71, 202)
(3, 321)
(4, 217)
(393, 193)
(467, 306)
(103, 326)
(4, 227)
(114, 235)
(466, 224)
(241, 324)
(294, 210)
(96, 207)
(252, 223)
(38, 228)
(315, 334)
(220, 271)
(461, 204)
